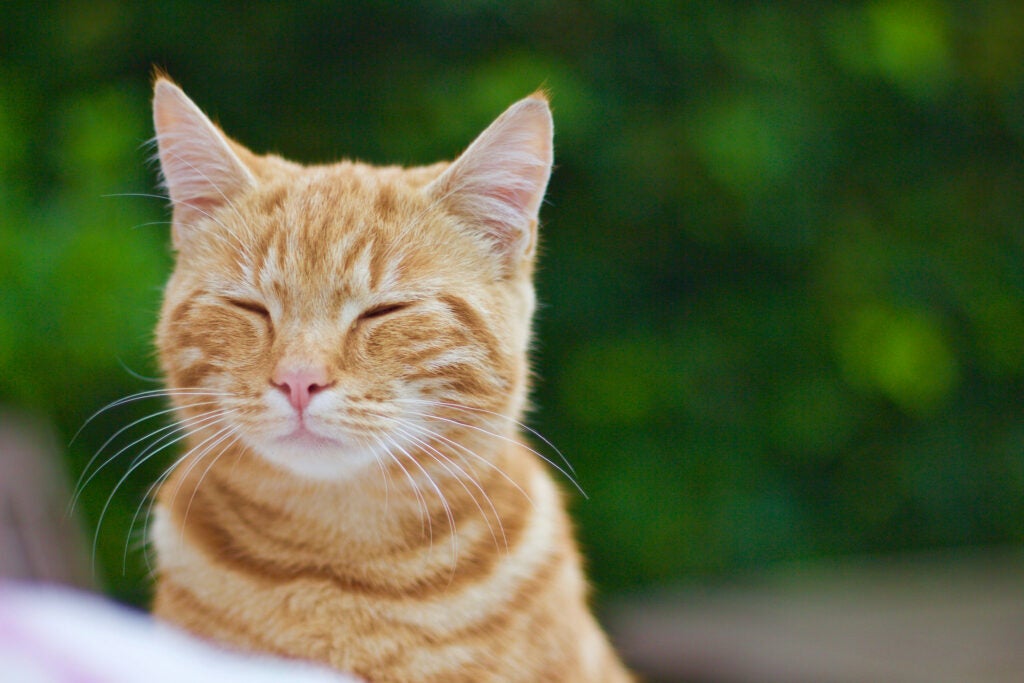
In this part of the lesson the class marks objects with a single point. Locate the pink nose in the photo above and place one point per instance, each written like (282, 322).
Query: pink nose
(299, 384)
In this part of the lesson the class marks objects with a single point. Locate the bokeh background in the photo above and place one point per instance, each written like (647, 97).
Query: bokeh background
(783, 249)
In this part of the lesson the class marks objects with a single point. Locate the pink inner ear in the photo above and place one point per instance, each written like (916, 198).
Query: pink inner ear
(200, 170)
(198, 207)
(499, 181)
(498, 227)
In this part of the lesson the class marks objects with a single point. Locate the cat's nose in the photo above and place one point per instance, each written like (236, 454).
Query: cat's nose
(299, 384)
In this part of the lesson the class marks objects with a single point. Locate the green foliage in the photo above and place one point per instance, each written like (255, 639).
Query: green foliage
(783, 255)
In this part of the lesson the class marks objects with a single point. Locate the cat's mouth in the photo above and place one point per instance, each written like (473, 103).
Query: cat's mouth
(303, 450)
(303, 436)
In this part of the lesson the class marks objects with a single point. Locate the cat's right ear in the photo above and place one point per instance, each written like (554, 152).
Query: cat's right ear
(497, 185)
(200, 170)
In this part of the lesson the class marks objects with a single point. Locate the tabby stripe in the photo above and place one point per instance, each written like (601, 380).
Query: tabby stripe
(219, 512)
(472, 322)
(208, 619)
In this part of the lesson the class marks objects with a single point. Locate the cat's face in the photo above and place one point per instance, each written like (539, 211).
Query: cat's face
(329, 316)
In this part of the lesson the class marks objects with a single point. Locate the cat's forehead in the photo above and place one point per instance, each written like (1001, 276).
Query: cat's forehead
(349, 227)
(347, 195)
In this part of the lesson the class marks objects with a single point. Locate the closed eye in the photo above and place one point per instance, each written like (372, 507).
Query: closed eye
(250, 306)
(383, 310)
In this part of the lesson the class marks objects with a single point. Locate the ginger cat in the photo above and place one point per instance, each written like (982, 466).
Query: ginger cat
(347, 346)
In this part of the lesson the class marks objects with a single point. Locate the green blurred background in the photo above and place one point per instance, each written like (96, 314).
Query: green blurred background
(783, 250)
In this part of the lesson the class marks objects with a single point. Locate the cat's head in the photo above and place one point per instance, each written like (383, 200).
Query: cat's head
(324, 316)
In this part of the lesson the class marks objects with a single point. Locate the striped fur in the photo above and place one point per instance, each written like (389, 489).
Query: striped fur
(347, 347)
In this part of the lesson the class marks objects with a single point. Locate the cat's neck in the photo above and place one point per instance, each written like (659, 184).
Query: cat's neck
(377, 512)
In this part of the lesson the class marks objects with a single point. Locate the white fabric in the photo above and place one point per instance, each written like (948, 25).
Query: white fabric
(57, 635)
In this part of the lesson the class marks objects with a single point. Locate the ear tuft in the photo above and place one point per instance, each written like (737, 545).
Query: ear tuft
(498, 183)
(200, 170)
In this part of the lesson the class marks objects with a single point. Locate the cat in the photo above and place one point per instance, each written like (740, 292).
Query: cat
(347, 346)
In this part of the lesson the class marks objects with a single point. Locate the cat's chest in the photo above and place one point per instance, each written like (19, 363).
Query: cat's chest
(304, 617)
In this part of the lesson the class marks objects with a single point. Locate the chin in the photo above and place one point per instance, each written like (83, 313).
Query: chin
(316, 458)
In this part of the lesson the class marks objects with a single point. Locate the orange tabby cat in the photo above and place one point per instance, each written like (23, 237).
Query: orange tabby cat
(347, 345)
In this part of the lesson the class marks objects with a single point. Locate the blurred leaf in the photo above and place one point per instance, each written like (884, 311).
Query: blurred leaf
(904, 355)
(905, 41)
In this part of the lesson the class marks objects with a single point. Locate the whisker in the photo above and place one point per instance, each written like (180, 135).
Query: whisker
(138, 462)
(380, 466)
(514, 421)
(136, 375)
(232, 432)
(151, 223)
(426, 525)
(147, 501)
(149, 495)
(172, 428)
(430, 480)
(80, 485)
(244, 247)
(438, 435)
(215, 186)
(196, 453)
(189, 426)
(440, 495)
(151, 491)
(142, 395)
(466, 425)
(438, 457)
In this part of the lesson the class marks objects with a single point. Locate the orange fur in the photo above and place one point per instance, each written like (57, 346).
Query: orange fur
(347, 347)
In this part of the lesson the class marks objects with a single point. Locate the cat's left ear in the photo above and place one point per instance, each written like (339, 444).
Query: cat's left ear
(498, 183)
